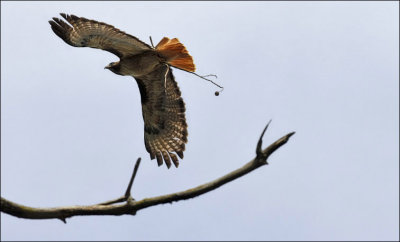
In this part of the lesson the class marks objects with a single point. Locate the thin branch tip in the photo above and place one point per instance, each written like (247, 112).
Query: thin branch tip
(135, 169)
(259, 143)
(151, 41)
(287, 137)
(204, 77)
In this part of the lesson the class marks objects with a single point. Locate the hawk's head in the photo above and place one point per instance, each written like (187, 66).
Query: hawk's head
(114, 67)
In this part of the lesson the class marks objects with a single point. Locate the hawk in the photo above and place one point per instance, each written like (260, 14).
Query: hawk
(163, 109)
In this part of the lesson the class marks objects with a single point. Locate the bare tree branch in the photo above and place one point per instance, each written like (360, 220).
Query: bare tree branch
(130, 206)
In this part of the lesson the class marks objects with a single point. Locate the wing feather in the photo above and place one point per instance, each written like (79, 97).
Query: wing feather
(82, 32)
(165, 127)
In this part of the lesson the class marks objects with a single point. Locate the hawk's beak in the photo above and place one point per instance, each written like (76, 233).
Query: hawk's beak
(107, 67)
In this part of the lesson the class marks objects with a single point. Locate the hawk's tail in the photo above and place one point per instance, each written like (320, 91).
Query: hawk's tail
(176, 54)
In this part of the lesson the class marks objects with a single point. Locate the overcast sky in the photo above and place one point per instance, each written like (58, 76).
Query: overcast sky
(71, 131)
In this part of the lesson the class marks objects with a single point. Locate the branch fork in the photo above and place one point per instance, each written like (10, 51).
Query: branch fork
(127, 196)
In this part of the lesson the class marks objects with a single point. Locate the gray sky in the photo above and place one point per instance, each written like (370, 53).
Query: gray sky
(71, 131)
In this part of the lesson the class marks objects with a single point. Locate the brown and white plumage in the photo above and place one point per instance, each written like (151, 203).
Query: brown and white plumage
(163, 109)
(165, 127)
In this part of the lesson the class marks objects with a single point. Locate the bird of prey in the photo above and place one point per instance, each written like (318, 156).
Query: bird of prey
(163, 109)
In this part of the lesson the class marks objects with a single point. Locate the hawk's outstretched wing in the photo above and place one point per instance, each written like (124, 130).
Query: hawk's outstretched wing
(165, 128)
(83, 32)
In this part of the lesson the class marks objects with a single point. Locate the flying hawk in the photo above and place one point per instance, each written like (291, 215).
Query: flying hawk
(163, 109)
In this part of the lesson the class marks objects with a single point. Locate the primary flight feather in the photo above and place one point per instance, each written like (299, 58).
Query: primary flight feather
(163, 109)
